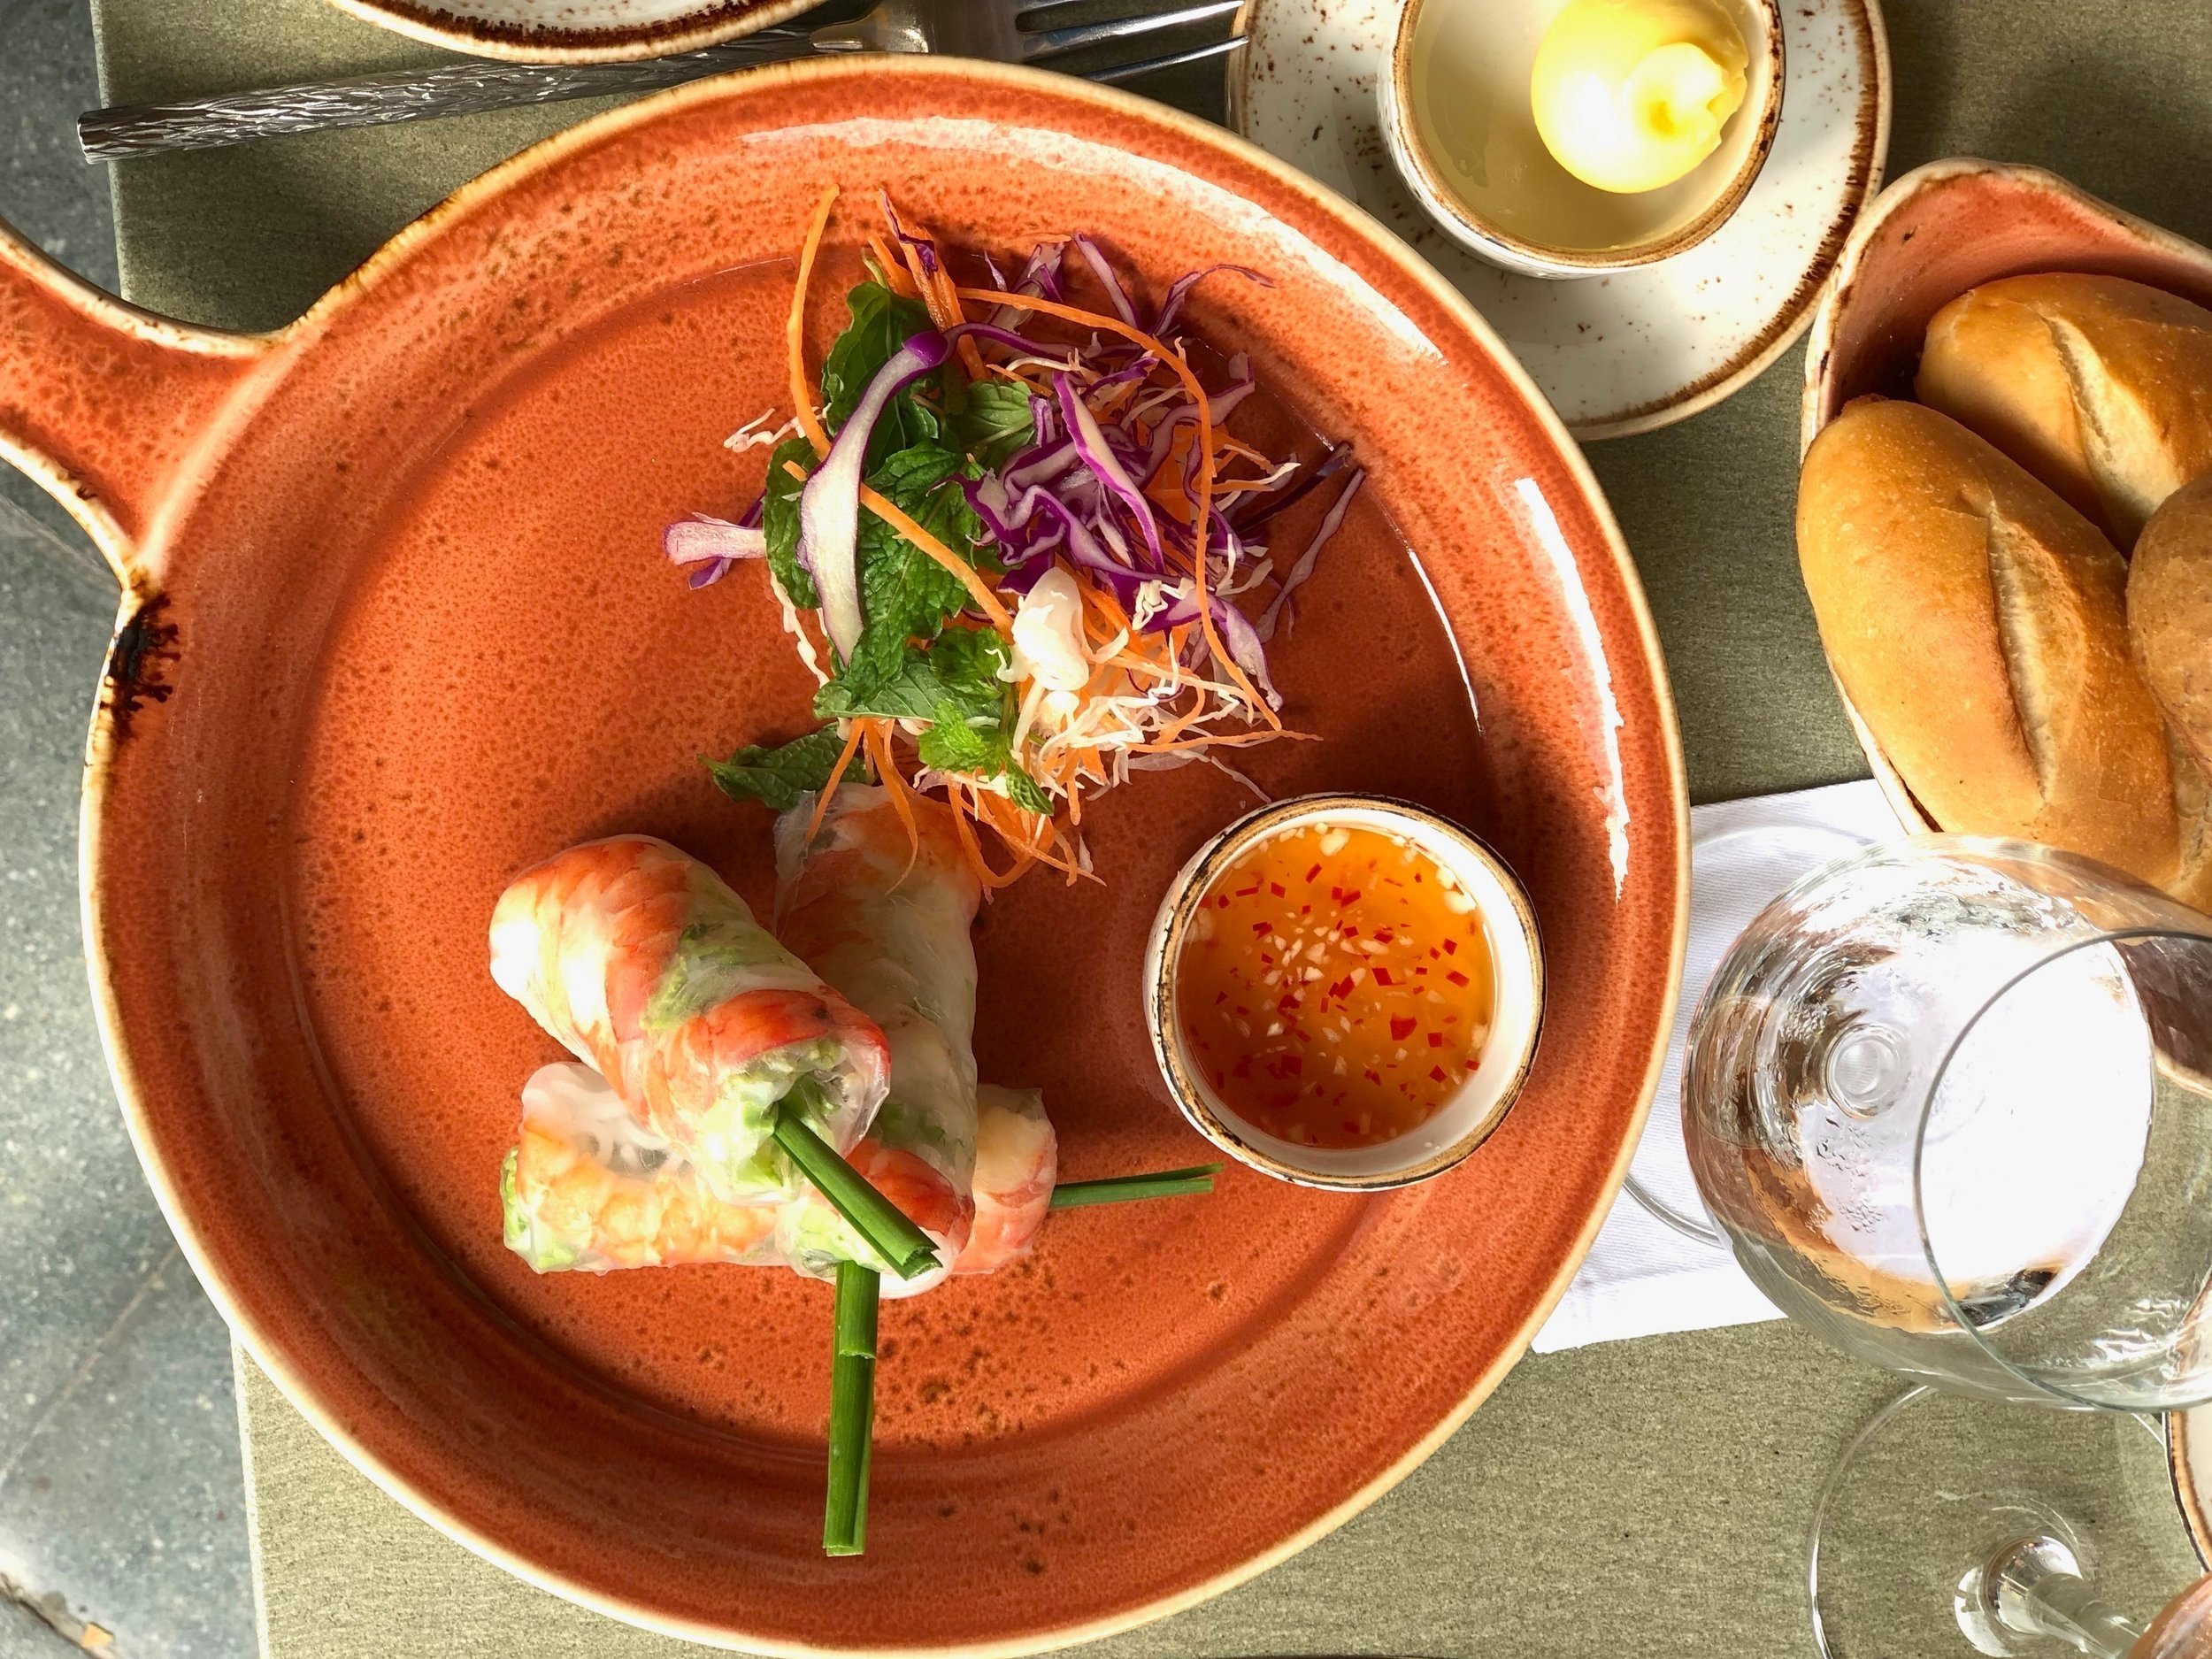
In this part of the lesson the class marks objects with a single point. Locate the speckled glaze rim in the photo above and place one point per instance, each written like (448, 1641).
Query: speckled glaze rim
(709, 24)
(298, 1389)
(1537, 258)
(1186, 894)
(1816, 405)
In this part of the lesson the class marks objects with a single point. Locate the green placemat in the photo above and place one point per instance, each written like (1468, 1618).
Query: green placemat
(1646, 1498)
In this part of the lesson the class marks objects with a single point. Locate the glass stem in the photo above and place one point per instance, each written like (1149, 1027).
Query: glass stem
(2035, 1596)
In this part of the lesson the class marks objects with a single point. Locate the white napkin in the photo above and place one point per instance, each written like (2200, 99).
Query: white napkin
(1642, 1276)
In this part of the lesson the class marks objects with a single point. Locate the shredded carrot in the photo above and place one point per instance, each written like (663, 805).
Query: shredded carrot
(794, 329)
(988, 809)
(991, 878)
(894, 786)
(940, 298)
(894, 276)
(1203, 515)
(836, 777)
(932, 296)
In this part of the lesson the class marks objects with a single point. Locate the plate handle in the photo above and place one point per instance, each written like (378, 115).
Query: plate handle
(103, 404)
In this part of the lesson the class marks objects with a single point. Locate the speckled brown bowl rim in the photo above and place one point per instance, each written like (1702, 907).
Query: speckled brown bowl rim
(1186, 894)
(1814, 413)
(1870, 147)
(269, 1354)
(708, 24)
(1396, 111)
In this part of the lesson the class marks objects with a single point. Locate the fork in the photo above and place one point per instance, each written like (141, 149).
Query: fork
(1002, 30)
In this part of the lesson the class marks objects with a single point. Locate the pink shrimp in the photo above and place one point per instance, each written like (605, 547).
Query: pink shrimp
(646, 966)
(1017, 1164)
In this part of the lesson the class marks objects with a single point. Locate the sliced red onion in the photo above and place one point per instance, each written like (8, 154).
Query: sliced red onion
(1098, 455)
(829, 506)
(1302, 567)
(714, 544)
(1117, 295)
(1178, 291)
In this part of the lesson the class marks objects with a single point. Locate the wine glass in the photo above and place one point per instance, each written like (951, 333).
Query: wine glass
(2040, 1532)
(1951, 1101)
(1948, 1101)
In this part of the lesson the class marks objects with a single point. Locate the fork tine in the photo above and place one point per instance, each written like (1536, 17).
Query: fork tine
(1145, 66)
(1043, 42)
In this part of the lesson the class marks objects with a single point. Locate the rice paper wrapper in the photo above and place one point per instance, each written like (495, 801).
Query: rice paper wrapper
(647, 966)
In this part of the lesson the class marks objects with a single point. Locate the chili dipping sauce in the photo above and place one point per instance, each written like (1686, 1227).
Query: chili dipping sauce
(1335, 986)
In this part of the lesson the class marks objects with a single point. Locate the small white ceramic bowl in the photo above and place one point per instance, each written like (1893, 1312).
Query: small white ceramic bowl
(1457, 117)
(1462, 1123)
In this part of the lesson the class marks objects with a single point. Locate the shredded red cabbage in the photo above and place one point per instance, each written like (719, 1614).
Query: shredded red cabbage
(1100, 485)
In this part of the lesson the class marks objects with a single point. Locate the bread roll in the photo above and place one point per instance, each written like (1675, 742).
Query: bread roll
(2169, 614)
(2101, 386)
(2192, 805)
(1978, 624)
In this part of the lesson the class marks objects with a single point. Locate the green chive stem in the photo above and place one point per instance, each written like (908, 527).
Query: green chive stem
(1119, 1188)
(875, 1218)
(852, 1410)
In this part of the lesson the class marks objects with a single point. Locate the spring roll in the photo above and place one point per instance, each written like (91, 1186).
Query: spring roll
(1017, 1164)
(590, 1190)
(644, 965)
(882, 901)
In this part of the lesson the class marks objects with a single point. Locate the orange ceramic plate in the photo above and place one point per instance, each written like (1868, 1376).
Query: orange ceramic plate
(398, 625)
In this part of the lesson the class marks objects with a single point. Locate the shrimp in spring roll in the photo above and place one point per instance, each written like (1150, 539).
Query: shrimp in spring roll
(1017, 1164)
(879, 900)
(590, 1190)
(644, 965)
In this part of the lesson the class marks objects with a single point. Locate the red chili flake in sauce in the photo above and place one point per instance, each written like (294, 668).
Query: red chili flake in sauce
(1338, 1081)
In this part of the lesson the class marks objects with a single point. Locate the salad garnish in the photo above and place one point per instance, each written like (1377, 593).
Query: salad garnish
(1013, 540)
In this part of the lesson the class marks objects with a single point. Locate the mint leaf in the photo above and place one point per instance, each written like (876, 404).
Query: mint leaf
(957, 741)
(1026, 793)
(904, 594)
(992, 421)
(957, 676)
(966, 662)
(881, 323)
(778, 777)
(779, 519)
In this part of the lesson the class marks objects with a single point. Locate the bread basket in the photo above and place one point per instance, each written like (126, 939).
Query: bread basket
(1933, 233)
